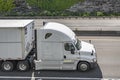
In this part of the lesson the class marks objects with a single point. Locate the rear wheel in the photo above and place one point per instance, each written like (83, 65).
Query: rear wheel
(7, 66)
(23, 66)
(0, 64)
(83, 66)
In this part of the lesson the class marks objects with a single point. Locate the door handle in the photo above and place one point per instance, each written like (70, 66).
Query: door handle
(64, 56)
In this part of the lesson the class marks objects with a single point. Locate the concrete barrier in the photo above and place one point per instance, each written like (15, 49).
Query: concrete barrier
(97, 33)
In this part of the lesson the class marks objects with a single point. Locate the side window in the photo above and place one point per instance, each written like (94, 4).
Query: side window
(47, 35)
(69, 46)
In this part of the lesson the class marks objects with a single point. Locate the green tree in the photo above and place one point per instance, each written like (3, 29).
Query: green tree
(6, 6)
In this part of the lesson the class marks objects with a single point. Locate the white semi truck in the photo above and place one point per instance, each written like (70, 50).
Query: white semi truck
(51, 47)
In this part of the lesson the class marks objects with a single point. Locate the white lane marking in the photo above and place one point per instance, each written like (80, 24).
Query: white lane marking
(58, 78)
(33, 77)
(101, 39)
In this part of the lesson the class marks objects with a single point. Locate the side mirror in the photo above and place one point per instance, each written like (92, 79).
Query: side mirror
(72, 51)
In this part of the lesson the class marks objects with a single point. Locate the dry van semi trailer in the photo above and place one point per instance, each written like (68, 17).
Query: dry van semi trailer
(51, 47)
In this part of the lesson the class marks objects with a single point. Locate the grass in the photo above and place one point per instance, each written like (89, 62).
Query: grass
(52, 5)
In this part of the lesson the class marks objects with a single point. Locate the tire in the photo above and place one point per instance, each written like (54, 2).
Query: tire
(83, 66)
(7, 66)
(0, 64)
(23, 66)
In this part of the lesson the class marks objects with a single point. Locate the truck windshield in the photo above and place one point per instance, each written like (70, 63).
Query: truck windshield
(78, 44)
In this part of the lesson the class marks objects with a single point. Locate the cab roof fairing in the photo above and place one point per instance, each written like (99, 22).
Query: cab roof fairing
(61, 30)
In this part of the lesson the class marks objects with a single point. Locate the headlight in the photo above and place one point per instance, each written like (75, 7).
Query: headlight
(94, 60)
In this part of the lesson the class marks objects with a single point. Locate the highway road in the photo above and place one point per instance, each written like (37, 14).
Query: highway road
(108, 56)
(84, 24)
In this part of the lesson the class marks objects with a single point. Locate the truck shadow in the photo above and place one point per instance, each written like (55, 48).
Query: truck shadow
(94, 73)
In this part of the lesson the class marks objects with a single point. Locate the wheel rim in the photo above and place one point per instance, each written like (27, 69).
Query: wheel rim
(22, 67)
(83, 67)
(7, 67)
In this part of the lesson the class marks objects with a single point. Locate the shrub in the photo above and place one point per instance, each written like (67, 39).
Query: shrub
(99, 13)
(86, 14)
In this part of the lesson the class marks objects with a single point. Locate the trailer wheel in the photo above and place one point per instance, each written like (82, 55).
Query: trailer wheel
(7, 66)
(83, 66)
(0, 63)
(23, 66)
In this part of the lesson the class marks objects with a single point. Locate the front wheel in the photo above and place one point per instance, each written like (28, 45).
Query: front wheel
(23, 66)
(83, 66)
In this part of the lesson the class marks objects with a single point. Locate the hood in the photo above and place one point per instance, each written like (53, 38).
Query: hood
(87, 52)
(86, 47)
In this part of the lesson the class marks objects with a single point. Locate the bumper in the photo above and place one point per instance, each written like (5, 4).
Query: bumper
(93, 64)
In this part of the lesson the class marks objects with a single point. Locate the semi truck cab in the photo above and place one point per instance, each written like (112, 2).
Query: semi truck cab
(59, 49)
